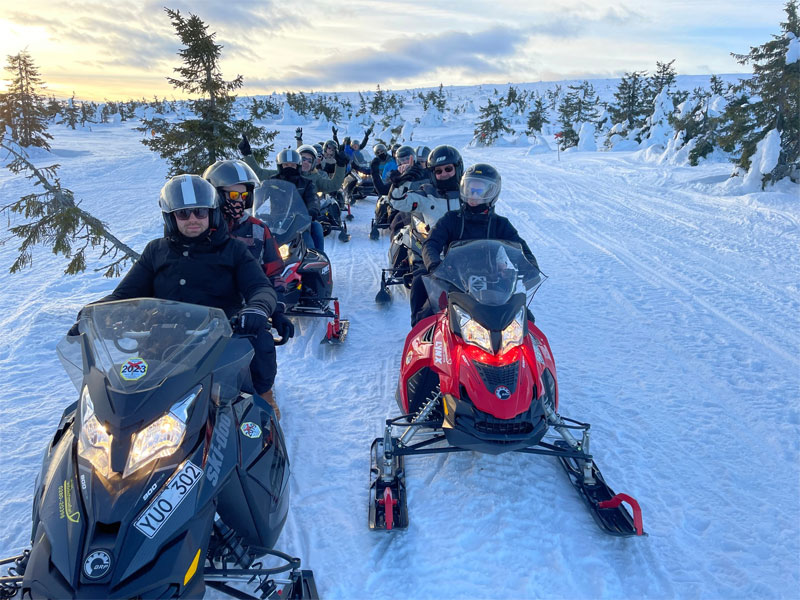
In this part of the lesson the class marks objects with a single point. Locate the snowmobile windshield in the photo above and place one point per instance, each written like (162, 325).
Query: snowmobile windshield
(279, 205)
(360, 159)
(490, 271)
(138, 343)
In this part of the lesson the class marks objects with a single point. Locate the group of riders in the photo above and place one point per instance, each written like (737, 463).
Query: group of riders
(216, 253)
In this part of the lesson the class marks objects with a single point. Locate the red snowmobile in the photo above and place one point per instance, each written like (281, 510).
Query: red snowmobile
(479, 375)
(307, 272)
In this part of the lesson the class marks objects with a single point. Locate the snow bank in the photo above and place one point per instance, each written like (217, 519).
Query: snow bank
(762, 163)
(586, 139)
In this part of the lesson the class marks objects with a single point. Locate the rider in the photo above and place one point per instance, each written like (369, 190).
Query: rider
(288, 161)
(476, 219)
(197, 261)
(322, 182)
(409, 177)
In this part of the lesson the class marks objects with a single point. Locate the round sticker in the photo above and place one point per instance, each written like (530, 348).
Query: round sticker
(133, 369)
(97, 564)
(250, 429)
(502, 392)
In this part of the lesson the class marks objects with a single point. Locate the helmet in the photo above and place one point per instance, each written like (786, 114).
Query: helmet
(188, 191)
(446, 155)
(403, 152)
(289, 155)
(330, 144)
(379, 149)
(394, 148)
(422, 153)
(480, 186)
(318, 148)
(308, 149)
(224, 173)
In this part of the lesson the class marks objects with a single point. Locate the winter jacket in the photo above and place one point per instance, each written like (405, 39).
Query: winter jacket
(463, 225)
(428, 202)
(258, 238)
(211, 270)
(308, 192)
(387, 167)
(258, 170)
(326, 184)
(414, 177)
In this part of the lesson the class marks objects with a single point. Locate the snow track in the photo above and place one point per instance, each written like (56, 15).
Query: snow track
(672, 311)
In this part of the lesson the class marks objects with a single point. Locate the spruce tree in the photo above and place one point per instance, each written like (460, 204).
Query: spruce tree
(774, 101)
(193, 144)
(566, 118)
(25, 108)
(538, 115)
(491, 124)
(630, 107)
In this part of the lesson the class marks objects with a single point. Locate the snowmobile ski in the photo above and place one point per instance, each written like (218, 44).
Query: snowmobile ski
(604, 504)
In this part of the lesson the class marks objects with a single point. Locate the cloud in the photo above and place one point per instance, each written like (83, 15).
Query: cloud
(406, 58)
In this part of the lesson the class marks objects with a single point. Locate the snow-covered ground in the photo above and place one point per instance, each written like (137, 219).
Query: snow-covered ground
(673, 311)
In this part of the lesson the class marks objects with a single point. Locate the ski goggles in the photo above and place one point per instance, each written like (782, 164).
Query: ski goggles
(184, 213)
(237, 195)
(446, 169)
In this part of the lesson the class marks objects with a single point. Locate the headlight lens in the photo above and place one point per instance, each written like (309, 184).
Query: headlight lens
(284, 250)
(512, 335)
(94, 442)
(162, 437)
(473, 332)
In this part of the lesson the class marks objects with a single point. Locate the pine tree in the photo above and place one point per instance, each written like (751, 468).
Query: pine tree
(493, 123)
(55, 220)
(378, 105)
(25, 109)
(584, 101)
(538, 115)
(630, 99)
(774, 92)
(191, 145)
(566, 118)
(664, 77)
(440, 102)
(71, 112)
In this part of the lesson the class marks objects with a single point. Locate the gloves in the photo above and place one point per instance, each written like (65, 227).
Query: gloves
(282, 324)
(369, 131)
(347, 141)
(250, 321)
(298, 133)
(394, 176)
(244, 146)
(74, 330)
(341, 158)
(334, 131)
(375, 163)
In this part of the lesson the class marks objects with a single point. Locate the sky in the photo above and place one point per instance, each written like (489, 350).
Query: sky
(126, 49)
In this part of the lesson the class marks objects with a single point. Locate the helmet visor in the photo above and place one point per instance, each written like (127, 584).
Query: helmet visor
(476, 190)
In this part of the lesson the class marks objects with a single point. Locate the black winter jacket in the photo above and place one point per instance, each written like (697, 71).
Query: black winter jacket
(463, 225)
(414, 174)
(215, 270)
(307, 190)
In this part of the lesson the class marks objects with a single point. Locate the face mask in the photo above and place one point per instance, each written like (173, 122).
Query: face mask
(233, 209)
(289, 171)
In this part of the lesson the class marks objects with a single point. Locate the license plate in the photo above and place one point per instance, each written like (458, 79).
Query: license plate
(167, 502)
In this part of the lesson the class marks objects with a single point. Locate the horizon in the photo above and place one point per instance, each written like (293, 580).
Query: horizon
(126, 51)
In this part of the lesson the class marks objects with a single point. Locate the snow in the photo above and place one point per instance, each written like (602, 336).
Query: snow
(673, 311)
(763, 161)
(793, 49)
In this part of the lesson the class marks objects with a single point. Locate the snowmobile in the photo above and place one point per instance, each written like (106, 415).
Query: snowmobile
(405, 255)
(383, 217)
(307, 272)
(358, 182)
(478, 375)
(168, 475)
(331, 216)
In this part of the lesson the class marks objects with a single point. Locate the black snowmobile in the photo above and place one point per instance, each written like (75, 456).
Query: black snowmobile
(168, 474)
(358, 182)
(405, 255)
(331, 216)
(382, 219)
(307, 272)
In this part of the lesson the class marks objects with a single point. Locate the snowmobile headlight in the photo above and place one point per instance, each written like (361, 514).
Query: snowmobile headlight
(284, 250)
(473, 332)
(94, 442)
(513, 334)
(162, 437)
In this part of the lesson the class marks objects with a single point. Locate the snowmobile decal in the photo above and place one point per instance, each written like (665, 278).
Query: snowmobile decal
(97, 564)
(215, 455)
(250, 430)
(133, 369)
(65, 505)
(165, 504)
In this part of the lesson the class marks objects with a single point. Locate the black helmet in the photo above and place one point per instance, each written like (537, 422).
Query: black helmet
(188, 191)
(330, 144)
(379, 149)
(394, 148)
(224, 173)
(446, 155)
(288, 155)
(422, 153)
(403, 152)
(318, 148)
(480, 185)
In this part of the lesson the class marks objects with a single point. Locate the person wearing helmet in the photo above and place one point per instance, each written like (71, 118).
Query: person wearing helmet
(329, 151)
(289, 162)
(422, 155)
(197, 261)
(322, 182)
(235, 183)
(409, 177)
(479, 189)
(318, 148)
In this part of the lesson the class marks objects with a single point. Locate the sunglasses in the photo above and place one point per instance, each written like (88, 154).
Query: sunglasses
(237, 195)
(199, 213)
(307, 159)
(445, 169)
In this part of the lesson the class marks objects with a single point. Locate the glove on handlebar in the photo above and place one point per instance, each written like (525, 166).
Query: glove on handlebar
(250, 321)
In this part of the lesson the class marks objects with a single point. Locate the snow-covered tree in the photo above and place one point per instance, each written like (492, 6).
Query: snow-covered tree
(630, 101)
(537, 117)
(770, 100)
(491, 124)
(24, 108)
(193, 144)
